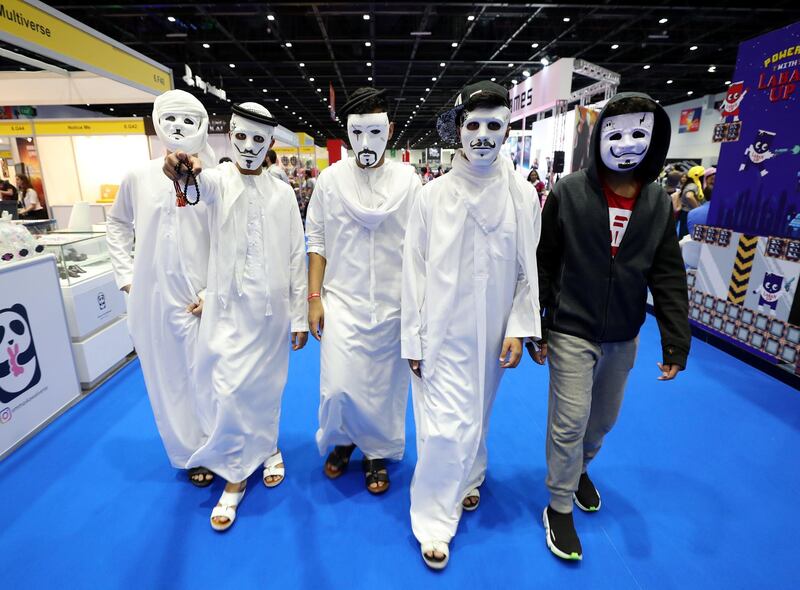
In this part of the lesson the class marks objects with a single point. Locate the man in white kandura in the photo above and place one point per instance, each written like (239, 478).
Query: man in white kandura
(355, 226)
(470, 295)
(256, 295)
(166, 277)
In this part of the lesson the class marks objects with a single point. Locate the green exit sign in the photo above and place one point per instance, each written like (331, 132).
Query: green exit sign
(24, 111)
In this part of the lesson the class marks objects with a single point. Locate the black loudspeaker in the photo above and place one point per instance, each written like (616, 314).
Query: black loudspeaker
(558, 162)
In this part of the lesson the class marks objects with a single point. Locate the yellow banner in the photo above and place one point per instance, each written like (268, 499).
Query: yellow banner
(52, 33)
(91, 127)
(5, 154)
(16, 128)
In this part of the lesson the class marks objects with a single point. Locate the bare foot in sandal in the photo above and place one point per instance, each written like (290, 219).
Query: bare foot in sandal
(274, 470)
(338, 460)
(200, 477)
(376, 475)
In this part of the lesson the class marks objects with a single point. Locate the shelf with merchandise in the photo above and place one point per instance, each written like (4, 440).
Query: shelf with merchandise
(80, 255)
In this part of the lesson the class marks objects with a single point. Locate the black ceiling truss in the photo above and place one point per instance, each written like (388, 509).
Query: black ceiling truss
(294, 50)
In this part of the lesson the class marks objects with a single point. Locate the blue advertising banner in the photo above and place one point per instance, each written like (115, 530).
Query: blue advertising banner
(758, 177)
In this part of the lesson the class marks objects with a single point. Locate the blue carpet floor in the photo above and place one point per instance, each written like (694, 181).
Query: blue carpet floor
(698, 481)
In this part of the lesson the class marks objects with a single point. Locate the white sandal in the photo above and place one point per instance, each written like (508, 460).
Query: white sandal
(435, 546)
(271, 469)
(226, 508)
(473, 493)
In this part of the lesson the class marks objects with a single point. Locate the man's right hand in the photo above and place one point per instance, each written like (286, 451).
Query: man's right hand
(171, 161)
(127, 289)
(316, 317)
(538, 352)
(416, 367)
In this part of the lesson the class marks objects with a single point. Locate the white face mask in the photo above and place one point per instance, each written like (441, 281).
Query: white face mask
(250, 141)
(181, 130)
(625, 139)
(368, 135)
(482, 134)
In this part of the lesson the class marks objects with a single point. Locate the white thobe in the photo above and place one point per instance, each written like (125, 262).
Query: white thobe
(169, 270)
(256, 295)
(356, 220)
(466, 288)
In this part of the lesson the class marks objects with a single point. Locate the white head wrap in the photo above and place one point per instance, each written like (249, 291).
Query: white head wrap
(180, 101)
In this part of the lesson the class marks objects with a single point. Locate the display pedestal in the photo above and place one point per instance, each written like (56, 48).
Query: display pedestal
(102, 353)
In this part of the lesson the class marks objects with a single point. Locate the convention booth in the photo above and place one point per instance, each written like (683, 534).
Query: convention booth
(66, 301)
(744, 290)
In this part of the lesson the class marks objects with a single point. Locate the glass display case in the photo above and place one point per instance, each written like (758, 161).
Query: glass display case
(80, 255)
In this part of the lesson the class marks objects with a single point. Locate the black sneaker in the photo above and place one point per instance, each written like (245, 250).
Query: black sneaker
(562, 539)
(587, 498)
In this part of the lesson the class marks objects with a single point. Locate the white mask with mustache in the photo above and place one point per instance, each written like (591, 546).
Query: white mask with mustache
(482, 134)
(250, 141)
(368, 136)
(625, 139)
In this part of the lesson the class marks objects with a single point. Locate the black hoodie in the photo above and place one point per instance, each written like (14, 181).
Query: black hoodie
(586, 292)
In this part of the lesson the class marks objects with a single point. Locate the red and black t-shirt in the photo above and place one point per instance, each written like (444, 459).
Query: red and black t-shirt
(619, 214)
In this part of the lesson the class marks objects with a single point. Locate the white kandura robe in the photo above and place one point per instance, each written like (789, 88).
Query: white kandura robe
(468, 282)
(166, 276)
(356, 220)
(256, 296)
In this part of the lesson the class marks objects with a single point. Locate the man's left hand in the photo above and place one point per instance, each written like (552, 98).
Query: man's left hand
(511, 353)
(668, 372)
(196, 309)
(299, 340)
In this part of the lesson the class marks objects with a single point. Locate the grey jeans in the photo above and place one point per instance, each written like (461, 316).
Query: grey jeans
(587, 384)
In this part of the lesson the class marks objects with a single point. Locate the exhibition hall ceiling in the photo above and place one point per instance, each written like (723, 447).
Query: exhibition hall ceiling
(286, 54)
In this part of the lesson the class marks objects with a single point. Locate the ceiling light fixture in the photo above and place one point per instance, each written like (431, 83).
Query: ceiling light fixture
(471, 18)
(454, 44)
(366, 17)
(249, 79)
(369, 78)
(206, 46)
(669, 81)
(693, 48)
(171, 19)
(270, 17)
(534, 45)
(526, 73)
(302, 65)
(263, 90)
(513, 82)
(727, 83)
(494, 79)
(615, 46)
(646, 67)
(566, 19)
(662, 21)
(433, 79)
(690, 92)
(544, 61)
(442, 64)
(427, 90)
(367, 44)
(510, 65)
(311, 79)
(232, 65)
(369, 64)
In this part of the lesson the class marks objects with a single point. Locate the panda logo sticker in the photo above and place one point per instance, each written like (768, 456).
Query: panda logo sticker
(19, 365)
(101, 301)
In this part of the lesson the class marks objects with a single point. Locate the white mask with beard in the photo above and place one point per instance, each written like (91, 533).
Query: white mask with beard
(181, 122)
(625, 139)
(482, 134)
(368, 135)
(250, 140)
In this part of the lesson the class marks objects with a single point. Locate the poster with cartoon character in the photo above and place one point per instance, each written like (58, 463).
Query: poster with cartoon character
(37, 369)
(757, 189)
(773, 283)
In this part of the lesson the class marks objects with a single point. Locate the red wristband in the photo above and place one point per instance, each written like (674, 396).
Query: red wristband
(312, 296)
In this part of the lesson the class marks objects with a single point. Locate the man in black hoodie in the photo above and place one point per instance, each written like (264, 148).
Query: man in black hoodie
(608, 235)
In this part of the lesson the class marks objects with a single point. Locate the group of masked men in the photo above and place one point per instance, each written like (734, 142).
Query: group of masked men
(443, 286)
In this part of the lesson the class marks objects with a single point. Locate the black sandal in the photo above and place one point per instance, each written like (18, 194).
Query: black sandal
(200, 483)
(375, 472)
(339, 459)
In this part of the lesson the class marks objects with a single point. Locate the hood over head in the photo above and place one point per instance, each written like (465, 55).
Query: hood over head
(652, 164)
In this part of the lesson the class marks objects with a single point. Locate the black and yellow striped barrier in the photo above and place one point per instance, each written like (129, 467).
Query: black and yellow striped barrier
(742, 267)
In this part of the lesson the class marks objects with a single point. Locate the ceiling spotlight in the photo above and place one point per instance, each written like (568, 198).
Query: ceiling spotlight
(277, 100)
(311, 79)
(646, 67)
(510, 65)
(111, 109)
(263, 90)
(369, 64)
(206, 46)
(615, 46)
(693, 48)
(454, 44)
(471, 18)
(270, 17)
(249, 79)
(494, 79)
(690, 93)
(369, 78)
(213, 114)
(288, 44)
(433, 79)
(513, 82)
(441, 64)
(526, 73)
(366, 17)
(422, 100)
(171, 19)
(294, 113)
(232, 65)
(669, 81)
(727, 83)
(319, 89)
(566, 19)
(302, 65)
(367, 44)
(544, 61)
(712, 69)
(286, 106)
(662, 21)
(427, 90)
(534, 45)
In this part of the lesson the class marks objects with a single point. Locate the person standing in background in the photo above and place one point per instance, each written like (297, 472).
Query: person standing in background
(274, 168)
(31, 207)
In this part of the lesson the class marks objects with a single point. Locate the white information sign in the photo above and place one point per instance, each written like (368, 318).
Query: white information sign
(37, 369)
